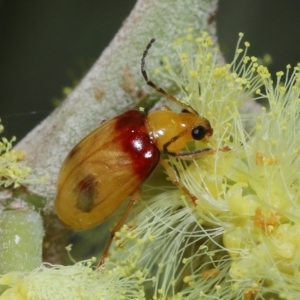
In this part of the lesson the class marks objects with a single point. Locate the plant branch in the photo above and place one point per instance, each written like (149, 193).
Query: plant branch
(101, 94)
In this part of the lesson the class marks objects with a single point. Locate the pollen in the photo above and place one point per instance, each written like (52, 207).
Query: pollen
(12, 172)
(247, 185)
(265, 161)
(193, 73)
(244, 220)
(190, 38)
(279, 74)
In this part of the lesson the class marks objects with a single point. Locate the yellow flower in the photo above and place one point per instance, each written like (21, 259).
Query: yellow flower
(12, 172)
(242, 238)
(79, 281)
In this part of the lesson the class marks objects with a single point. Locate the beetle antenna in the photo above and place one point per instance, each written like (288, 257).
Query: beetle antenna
(153, 85)
(143, 60)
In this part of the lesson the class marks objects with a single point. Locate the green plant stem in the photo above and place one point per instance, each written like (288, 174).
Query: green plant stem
(21, 237)
(112, 85)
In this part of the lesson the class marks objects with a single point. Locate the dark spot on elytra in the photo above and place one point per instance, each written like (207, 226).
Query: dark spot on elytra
(87, 192)
(73, 152)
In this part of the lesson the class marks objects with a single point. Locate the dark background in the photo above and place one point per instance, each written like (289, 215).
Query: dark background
(47, 45)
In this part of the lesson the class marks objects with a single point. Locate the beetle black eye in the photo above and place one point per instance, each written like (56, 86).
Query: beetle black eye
(198, 133)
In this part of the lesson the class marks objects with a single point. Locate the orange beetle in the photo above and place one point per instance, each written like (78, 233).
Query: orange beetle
(112, 162)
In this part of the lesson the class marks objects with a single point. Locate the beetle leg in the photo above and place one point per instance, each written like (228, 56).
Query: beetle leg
(189, 155)
(176, 181)
(135, 197)
(186, 155)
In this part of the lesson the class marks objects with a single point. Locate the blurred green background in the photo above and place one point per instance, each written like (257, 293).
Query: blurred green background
(47, 45)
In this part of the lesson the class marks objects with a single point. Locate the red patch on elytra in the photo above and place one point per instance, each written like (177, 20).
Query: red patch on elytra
(134, 140)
